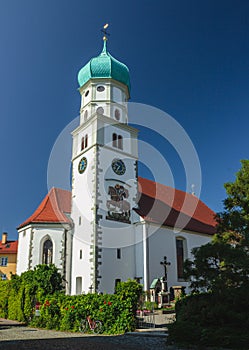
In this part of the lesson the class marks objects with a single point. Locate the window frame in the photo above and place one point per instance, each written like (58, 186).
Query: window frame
(120, 141)
(114, 140)
(82, 143)
(4, 261)
(46, 259)
(181, 255)
(118, 253)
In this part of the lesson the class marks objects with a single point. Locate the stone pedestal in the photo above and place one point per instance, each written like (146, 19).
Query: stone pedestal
(178, 291)
(163, 299)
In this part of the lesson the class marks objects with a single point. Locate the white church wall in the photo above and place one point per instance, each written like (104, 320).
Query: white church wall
(83, 218)
(113, 268)
(40, 234)
(82, 133)
(115, 234)
(24, 239)
(101, 91)
(117, 94)
(162, 242)
(119, 131)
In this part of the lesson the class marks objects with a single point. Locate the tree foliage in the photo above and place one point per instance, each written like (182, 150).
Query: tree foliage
(25, 290)
(224, 263)
(220, 270)
(233, 222)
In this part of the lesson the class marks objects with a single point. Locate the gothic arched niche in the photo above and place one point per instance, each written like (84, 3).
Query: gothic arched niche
(47, 252)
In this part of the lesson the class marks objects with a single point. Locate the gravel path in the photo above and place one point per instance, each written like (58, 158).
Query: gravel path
(18, 338)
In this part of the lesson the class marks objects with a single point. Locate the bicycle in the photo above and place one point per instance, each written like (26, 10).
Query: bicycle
(88, 323)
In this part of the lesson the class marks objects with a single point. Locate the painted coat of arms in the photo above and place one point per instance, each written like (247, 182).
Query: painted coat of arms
(117, 206)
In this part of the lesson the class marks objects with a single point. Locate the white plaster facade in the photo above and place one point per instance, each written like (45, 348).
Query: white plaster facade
(159, 241)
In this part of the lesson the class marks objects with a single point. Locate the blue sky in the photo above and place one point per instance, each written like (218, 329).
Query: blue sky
(188, 58)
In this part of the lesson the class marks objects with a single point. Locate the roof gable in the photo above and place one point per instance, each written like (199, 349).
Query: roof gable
(10, 247)
(53, 208)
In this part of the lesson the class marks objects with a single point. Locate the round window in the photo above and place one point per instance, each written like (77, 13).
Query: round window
(117, 114)
(100, 88)
(100, 110)
(87, 93)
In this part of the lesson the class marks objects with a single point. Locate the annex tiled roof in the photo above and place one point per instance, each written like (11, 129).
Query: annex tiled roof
(10, 247)
(170, 207)
(53, 208)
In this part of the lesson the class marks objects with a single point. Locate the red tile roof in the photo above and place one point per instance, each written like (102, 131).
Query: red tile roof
(157, 203)
(53, 208)
(10, 247)
(167, 206)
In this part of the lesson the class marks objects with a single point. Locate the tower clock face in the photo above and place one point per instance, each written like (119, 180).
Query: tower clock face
(118, 166)
(82, 165)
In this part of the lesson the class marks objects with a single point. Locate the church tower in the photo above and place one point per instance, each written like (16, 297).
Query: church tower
(104, 178)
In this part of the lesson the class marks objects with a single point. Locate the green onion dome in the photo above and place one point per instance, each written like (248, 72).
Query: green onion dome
(104, 66)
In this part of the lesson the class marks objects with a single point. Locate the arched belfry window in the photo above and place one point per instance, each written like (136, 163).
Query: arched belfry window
(82, 143)
(86, 141)
(120, 142)
(180, 255)
(47, 252)
(114, 140)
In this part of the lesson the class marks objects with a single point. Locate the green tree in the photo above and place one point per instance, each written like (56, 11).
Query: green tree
(47, 279)
(233, 222)
(43, 280)
(220, 269)
(224, 263)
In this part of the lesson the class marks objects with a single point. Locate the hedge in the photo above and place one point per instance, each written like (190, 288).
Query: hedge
(212, 319)
(20, 296)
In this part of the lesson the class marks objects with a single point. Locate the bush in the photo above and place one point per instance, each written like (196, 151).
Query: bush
(19, 296)
(212, 319)
(4, 296)
(65, 312)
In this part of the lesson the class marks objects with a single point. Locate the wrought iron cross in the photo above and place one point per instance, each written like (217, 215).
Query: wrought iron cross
(165, 263)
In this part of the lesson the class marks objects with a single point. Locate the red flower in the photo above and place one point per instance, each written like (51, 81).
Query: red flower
(109, 303)
(73, 307)
(66, 308)
(104, 302)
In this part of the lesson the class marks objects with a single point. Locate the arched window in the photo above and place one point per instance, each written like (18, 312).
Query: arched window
(180, 255)
(120, 141)
(86, 141)
(100, 110)
(117, 114)
(85, 116)
(47, 252)
(82, 143)
(114, 140)
(78, 285)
